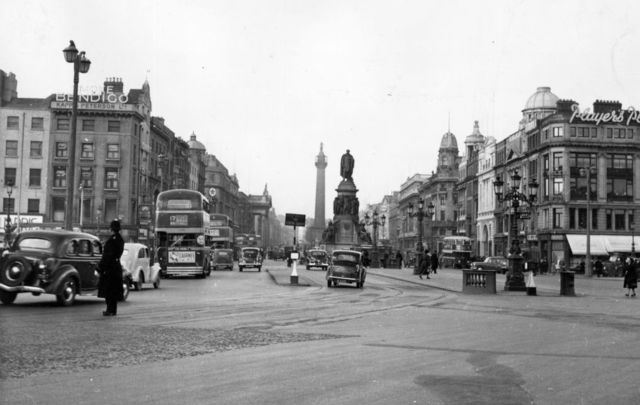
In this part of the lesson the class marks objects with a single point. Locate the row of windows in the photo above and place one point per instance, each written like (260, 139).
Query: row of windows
(590, 132)
(8, 205)
(577, 160)
(35, 149)
(62, 124)
(37, 123)
(111, 177)
(89, 125)
(35, 176)
(87, 150)
(619, 220)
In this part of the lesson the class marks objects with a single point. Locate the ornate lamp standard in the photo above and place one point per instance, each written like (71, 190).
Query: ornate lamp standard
(80, 65)
(375, 222)
(7, 224)
(420, 213)
(515, 278)
(588, 171)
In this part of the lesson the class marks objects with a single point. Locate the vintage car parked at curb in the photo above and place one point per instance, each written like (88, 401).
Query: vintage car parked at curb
(135, 258)
(346, 266)
(250, 257)
(222, 259)
(62, 263)
(496, 263)
(317, 258)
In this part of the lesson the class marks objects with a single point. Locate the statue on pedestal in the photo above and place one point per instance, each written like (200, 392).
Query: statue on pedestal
(346, 166)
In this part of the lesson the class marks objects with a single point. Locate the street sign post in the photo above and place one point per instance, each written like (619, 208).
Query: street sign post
(294, 220)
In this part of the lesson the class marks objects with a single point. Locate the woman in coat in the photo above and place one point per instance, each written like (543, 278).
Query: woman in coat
(434, 263)
(630, 277)
(111, 270)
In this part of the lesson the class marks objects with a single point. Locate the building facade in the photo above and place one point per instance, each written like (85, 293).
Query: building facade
(24, 156)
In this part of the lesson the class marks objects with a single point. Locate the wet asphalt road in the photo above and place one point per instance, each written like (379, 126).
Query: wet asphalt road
(240, 338)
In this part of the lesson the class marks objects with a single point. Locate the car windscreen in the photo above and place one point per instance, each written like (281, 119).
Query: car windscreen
(250, 254)
(223, 254)
(345, 258)
(35, 244)
(318, 255)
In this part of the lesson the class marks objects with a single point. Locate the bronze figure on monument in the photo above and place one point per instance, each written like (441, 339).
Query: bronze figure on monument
(346, 166)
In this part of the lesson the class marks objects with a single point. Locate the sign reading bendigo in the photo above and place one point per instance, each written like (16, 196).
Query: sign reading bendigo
(294, 219)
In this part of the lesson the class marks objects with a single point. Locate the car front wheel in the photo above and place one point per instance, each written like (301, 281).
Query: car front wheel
(67, 294)
(7, 297)
(15, 271)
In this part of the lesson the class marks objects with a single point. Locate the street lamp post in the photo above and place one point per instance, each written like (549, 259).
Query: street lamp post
(7, 225)
(633, 239)
(80, 65)
(162, 160)
(375, 222)
(81, 205)
(98, 216)
(515, 278)
(588, 171)
(420, 213)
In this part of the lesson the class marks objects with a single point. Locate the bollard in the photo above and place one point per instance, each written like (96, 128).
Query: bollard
(293, 279)
(531, 284)
(567, 280)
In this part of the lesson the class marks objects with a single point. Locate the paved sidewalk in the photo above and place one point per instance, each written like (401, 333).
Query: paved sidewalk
(451, 280)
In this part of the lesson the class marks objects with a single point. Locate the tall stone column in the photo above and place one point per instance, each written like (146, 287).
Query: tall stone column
(319, 219)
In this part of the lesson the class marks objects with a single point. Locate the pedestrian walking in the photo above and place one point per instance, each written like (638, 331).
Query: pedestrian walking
(399, 259)
(425, 261)
(110, 287)
(599, 268)
(365, 259)
(630, 277)
(434, 263)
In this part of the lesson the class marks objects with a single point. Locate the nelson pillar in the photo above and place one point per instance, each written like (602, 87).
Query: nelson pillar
(319, 219)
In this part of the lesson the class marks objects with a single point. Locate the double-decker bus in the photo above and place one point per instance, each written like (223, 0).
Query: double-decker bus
(182, 228)
(246, 240)
(221, 231)
(456, 252)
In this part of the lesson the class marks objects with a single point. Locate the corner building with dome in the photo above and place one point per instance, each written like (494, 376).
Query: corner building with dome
(557, 142)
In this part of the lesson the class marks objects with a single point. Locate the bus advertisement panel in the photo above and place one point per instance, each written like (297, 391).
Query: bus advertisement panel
(182, 227)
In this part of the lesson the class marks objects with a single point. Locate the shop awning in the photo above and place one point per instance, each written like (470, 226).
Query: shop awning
(578, 244)
(619, 243)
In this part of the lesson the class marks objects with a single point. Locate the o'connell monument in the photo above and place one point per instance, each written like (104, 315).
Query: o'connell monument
(345, 230)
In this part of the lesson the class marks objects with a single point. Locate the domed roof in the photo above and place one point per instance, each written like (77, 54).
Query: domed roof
(195, 144)
(476, 136)
(543, 98)
(448, 141)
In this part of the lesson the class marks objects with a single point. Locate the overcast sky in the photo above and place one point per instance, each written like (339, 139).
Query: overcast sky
(262, 83)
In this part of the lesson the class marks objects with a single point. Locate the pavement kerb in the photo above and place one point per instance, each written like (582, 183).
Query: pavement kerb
(280, 280)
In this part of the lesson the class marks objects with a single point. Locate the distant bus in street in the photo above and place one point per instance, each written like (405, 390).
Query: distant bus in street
(221, 231)
(182, 233)
(456, 252)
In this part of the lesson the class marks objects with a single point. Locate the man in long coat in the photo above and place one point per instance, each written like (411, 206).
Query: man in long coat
(111, 270)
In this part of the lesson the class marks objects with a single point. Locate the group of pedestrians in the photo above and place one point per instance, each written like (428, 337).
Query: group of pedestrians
(428, 264)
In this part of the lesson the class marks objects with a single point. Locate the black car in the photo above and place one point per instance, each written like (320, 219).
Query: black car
(346, 266)
(57, 262)
(496, 263)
